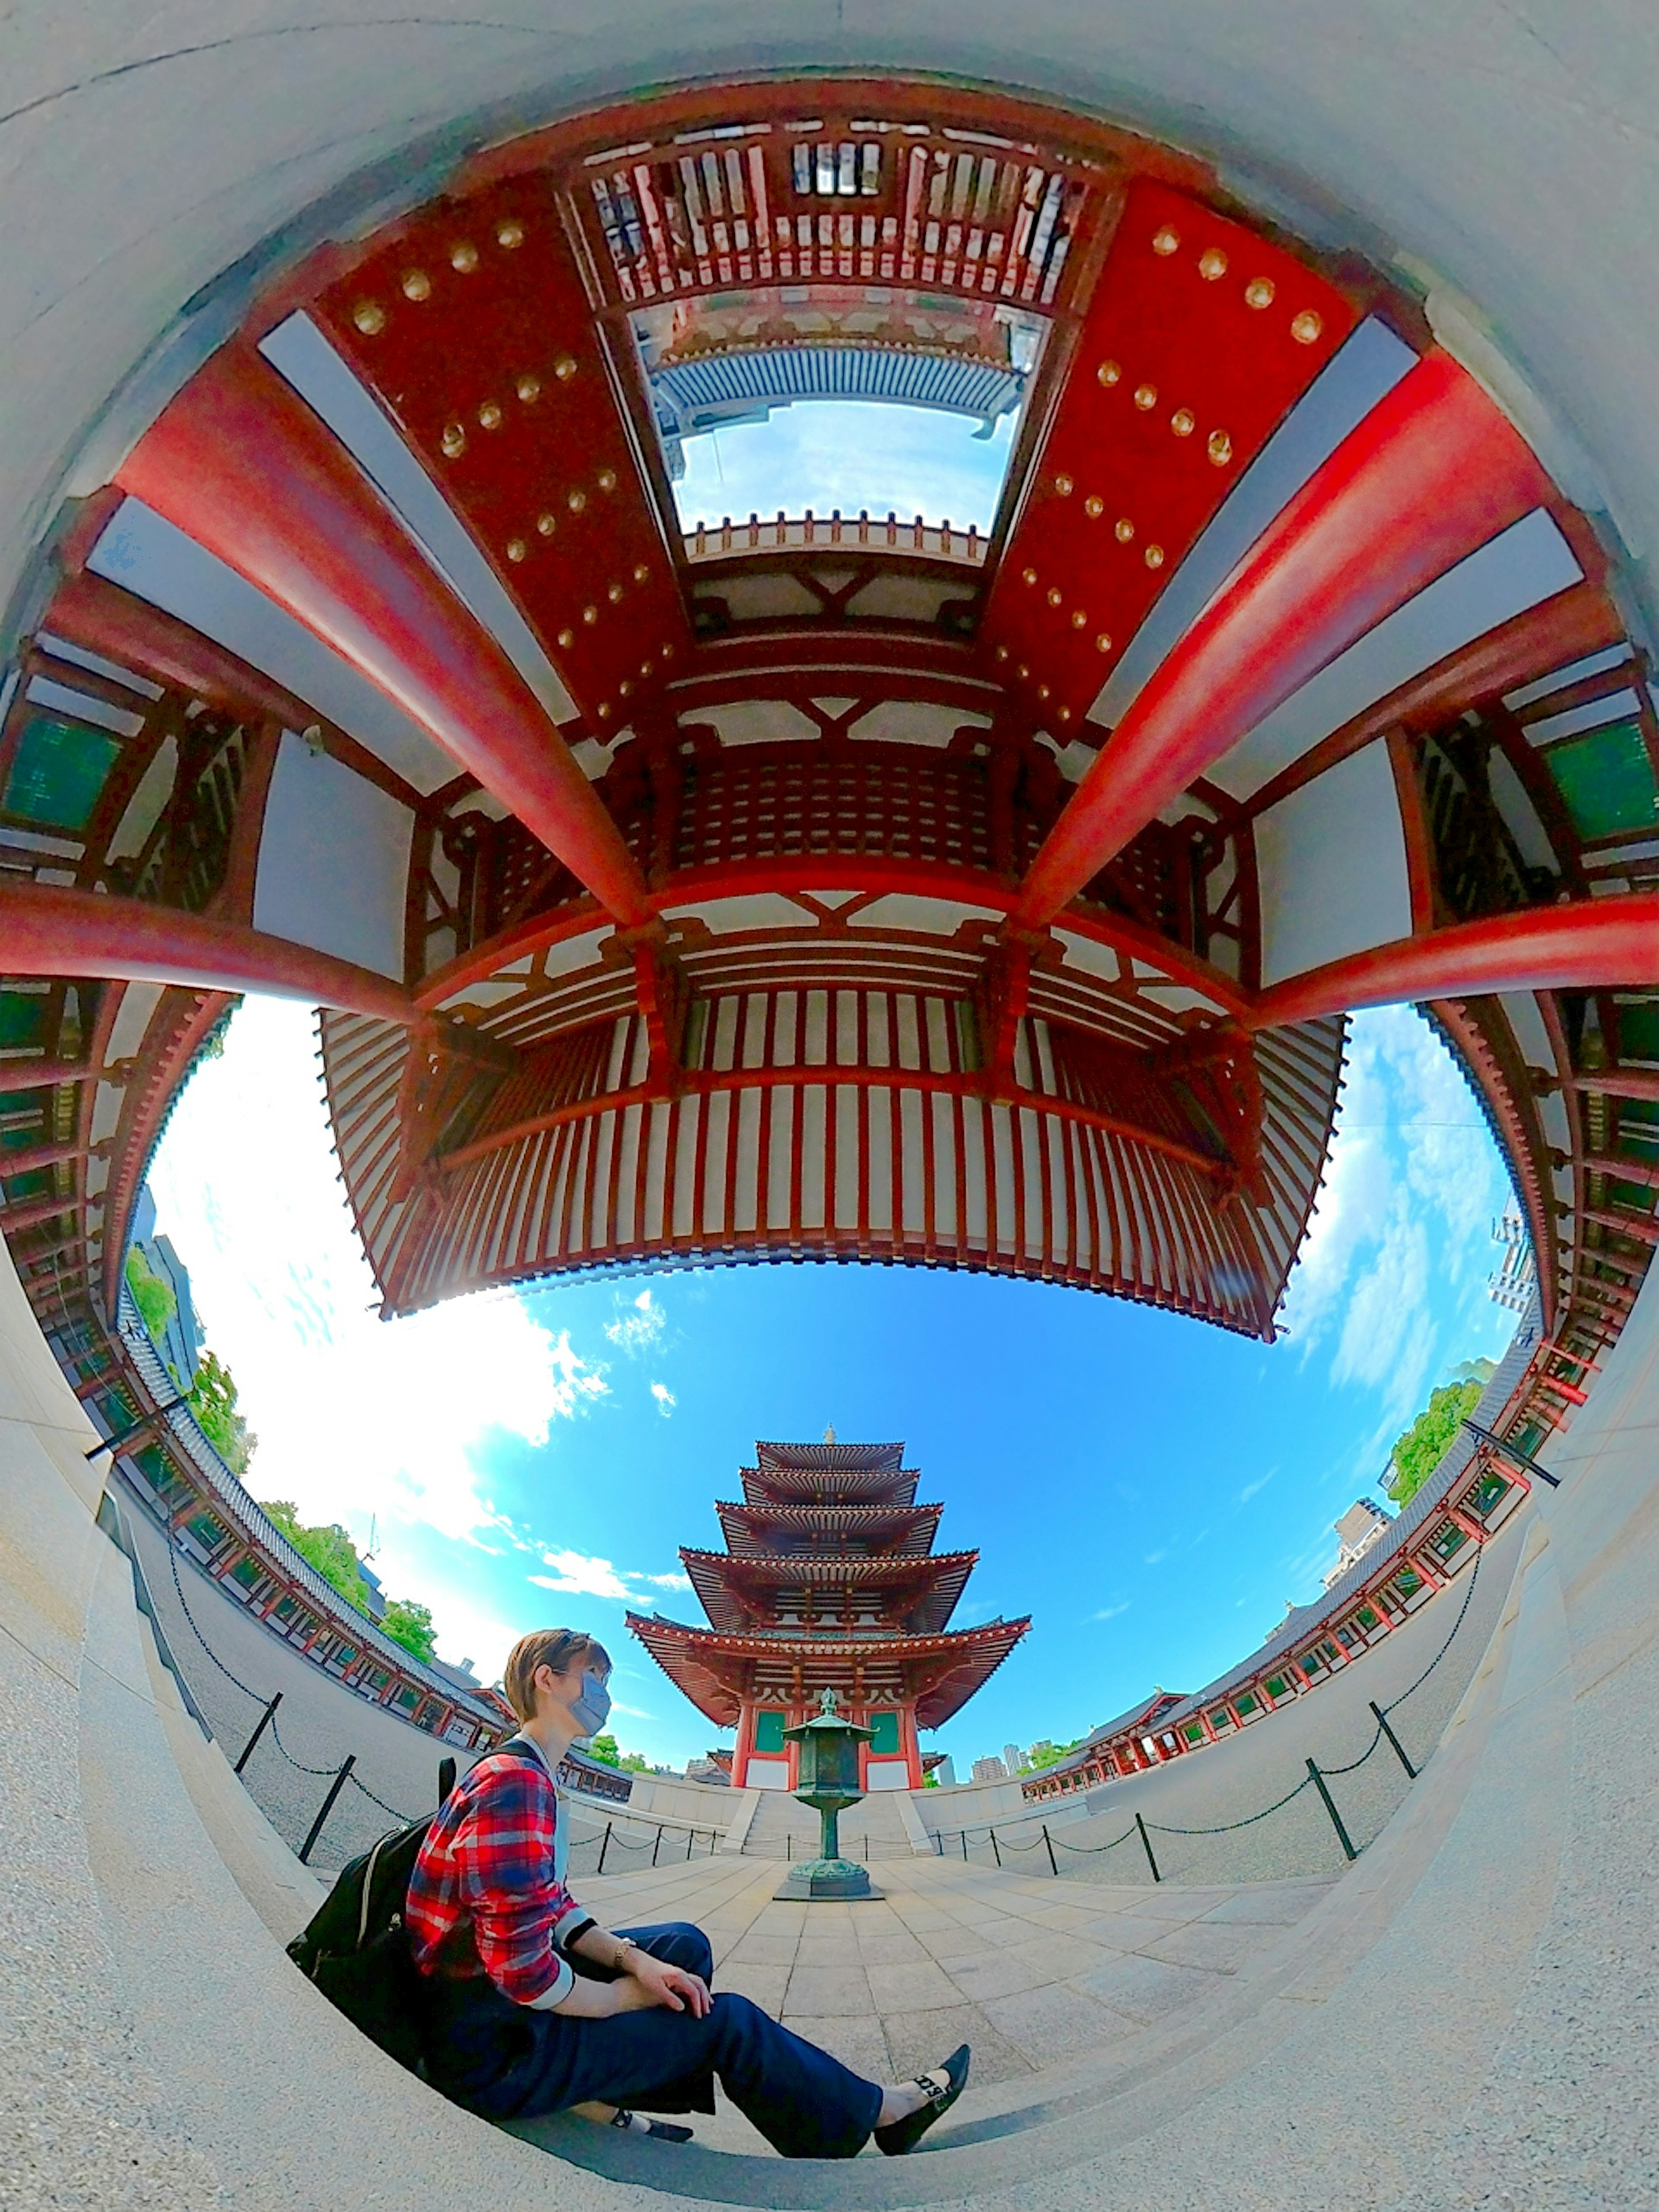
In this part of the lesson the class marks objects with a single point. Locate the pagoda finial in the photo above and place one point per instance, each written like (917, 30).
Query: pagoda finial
(829, 1434)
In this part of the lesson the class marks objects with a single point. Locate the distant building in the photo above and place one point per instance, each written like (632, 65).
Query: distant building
(709, 1769)
(945, 1772)
(462, 1676)
(1513, 1283)
(990, 1770)
(375, 1602)
(1361, 1527)
(1012, 1758)
(180, 1345)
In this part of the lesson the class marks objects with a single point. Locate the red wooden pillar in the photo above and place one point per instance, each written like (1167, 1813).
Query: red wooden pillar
(47, 931)
(1604, 942)
(1431, 474)
(241, 465)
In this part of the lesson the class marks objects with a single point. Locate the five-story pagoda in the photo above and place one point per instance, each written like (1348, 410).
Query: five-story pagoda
(828, 1581)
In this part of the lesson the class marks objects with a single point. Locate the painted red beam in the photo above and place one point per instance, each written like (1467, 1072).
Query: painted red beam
(240, 463)
(34, 1210)
(1642, 1172)
(1432, 472)
(42, 1075)
(1644, 1228)
(31, 1156)
(1588, 945)
(45, 931)
(103, 618)
(1618, 1082)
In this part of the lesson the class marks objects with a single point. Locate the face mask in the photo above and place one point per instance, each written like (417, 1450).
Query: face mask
(591, 1711)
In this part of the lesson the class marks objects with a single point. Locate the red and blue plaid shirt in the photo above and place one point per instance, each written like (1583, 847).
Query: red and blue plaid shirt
(487, 1894)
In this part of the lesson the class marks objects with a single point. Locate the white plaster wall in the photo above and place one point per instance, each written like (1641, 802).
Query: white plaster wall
(1331, 867)
(333, 861)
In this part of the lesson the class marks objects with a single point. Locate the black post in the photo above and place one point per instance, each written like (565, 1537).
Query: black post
(113, 1444)
(1500, 1444)
(334, 1790)
(1399, 1747)
(445, 1778)
(604, 1845)
(1050, 1840)
(690, 1839)
(1146, 1844)
(259, 1728)
(995, 1847)
(1330, 1806)
(964, 1847)
(657, 1846)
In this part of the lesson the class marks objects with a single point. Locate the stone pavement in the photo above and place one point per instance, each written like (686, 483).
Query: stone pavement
(1030, 1972)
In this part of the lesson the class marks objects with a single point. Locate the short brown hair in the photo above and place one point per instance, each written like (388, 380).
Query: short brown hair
(547, 1646)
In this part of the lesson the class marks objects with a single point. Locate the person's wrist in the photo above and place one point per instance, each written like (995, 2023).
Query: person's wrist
(628, 1955)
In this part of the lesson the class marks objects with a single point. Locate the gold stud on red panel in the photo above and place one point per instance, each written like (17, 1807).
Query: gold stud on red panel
(472, 328)
(1199, 340)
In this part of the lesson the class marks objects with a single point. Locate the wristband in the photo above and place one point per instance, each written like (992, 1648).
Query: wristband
(624, 1944)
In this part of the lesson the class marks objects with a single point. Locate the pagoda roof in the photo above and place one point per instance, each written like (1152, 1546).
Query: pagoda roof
(883, 1485)
(722, 1579)
(943, 1670)
(914, 1524)
(831, 1458)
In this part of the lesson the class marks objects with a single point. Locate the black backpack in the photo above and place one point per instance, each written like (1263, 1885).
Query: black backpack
(356, 1947)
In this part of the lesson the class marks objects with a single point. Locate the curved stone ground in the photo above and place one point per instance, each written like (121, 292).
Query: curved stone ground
(1467, 2018)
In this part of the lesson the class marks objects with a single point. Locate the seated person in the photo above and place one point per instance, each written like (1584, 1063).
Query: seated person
(532, 2007)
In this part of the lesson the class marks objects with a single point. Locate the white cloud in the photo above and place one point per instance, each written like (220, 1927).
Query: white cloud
(1251, 1488)
(359, 1421)
(1110, 1612)
(666, 1399)
(641, 1326)
(594, 1578)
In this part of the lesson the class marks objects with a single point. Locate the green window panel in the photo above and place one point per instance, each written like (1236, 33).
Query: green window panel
(1276, 1686)
(1245, 1704)
(768, 1731)
(886, 1736)
(36, 1184)
(1638, 1032)
(21, 1014)
(247, 1571)
(59, 773)
(1606, 781)
(1194, 1732)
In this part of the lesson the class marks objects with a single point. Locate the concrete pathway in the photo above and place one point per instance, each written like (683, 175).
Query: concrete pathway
(1030, 1972)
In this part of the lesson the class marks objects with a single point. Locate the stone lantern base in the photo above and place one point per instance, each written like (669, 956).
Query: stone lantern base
(820, 1880)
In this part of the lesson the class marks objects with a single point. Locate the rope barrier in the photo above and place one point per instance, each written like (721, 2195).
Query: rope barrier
(1475, 1574)
(1090, 1850)
(1227, 1826)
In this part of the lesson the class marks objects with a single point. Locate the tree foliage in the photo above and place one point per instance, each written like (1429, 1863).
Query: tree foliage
(603, 1748)
(152, 1294)
(409, 1623)
(330, 1550)
(1044, 1754)
(213, 1402)
(1419, 1451)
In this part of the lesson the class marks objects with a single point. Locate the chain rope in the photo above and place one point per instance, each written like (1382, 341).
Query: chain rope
(1474, 1572)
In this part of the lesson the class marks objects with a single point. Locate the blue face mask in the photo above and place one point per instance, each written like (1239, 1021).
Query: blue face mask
(591, 1710)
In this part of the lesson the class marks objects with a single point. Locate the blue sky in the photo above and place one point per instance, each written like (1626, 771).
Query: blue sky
(1151, 1490)
(828, 453)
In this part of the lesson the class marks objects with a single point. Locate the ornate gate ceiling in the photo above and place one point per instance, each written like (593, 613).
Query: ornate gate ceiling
(802, 886)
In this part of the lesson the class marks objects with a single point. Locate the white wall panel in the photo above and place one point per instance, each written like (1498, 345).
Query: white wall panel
(333, 861)
(1529, 561)
(1331, 862)
(145, 555)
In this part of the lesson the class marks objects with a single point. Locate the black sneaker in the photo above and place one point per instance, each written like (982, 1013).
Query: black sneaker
(944, 2085)
(661, 2131)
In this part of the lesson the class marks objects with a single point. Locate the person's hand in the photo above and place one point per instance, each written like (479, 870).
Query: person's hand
(670, 1986)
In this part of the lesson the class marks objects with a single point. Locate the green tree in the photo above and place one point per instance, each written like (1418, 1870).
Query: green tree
(330, 1550)
(152, 1294)
(410, 1624)
(1044, 1753)
(213, 1402)
(603, 1748)
(1419, 1451)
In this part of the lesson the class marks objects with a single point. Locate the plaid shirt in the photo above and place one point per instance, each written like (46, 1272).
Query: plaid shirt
(487, 1894)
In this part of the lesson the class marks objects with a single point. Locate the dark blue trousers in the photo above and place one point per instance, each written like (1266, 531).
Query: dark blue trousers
(506, 2061)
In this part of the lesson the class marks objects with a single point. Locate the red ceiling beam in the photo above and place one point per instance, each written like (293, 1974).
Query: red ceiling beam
(1590, 944)
(1615, 1082)
(1432, 472)
(42, 1075)
(45, 931)
(241, 465)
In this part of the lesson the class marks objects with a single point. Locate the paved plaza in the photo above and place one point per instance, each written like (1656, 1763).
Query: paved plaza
(1030, 1972)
